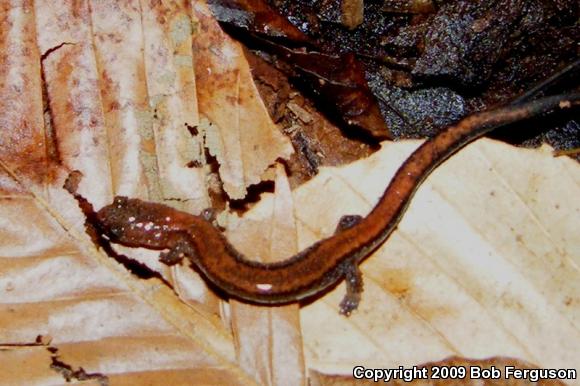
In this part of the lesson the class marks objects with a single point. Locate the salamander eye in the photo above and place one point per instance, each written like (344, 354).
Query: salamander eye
(116, 232)
(120, 201)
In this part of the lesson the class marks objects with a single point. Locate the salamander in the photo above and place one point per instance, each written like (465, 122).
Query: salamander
(136, 223)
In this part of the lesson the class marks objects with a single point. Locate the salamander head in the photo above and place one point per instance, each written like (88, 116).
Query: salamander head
(133, 222)
(113, 218)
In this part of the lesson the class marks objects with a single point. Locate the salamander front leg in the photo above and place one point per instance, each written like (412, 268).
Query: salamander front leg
(354, 288)
(347, 222)
(180, 247)
(210, 215)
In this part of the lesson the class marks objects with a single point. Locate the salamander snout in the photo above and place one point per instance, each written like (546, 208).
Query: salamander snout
(115, 217)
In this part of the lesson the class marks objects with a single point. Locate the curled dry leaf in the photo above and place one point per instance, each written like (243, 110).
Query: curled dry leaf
(243, 137)
(340, 82)
(317, 142)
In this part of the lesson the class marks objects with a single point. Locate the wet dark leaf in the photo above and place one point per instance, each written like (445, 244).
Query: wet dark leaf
(256, 16)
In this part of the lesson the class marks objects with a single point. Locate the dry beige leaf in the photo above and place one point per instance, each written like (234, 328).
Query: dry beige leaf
(72, 86)
(268, 340)
(167, 34)
(102, 318)
(118, 46)
(241, 135)
(22, 140)
(167, 31)
(131, 135)
(484, 263)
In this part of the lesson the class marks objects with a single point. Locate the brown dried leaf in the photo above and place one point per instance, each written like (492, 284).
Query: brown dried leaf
(316, 140)
(352, 13)
(256, 16)
(340, 82)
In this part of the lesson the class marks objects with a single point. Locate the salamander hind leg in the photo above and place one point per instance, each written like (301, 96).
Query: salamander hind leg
(210, 215)
(354, 288)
